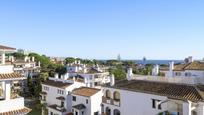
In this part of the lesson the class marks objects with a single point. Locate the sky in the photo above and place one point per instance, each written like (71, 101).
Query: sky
(102, 29)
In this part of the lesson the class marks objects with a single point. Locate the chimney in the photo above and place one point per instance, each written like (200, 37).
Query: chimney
(56, 76)
(112, 80)
(28, 59)
(171, 66)
(25, 59)
(190, 59)
(66, 76)
(155, 70)
(33, 59)
(74, 79)
(129, 74)
(12, 59)
(39, 63)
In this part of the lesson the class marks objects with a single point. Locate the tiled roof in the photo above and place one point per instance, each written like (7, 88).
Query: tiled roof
(43, 93)
(55, 107)
(58, 84)
(6, 48)
(180, 67)
(171, 90)
(60, 98)
(92, 71)
(85, 91)
(23, 111)
(79, 106)
(10, 76)
(196, 65)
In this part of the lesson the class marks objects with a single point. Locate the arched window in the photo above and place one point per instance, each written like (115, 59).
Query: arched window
(108, 111)
(108, 94)
(116, 112)
(116, 96)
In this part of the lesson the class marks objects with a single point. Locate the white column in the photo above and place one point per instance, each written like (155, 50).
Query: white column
(187, 108)
(3, 58)
(8, 90)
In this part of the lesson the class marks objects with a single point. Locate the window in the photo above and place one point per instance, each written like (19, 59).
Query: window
(73, 98)
(76, 113)
(46, 88)
(82, 112)
(155, 105)
(96, 113)
(87, 101)
(62, 104)
(60, 92)
(51, 113)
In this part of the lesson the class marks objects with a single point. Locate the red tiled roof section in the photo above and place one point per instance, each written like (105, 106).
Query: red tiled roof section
(23, 111)
(58, 84)
(6, 48)
(180, 67)
(171, 90)
(10, 76)
(60, 98)
(85, 91)
(196, 65)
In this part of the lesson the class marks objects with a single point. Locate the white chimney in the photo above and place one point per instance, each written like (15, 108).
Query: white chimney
(112, 80)
(171, 68)
(129, 74)
(39, 63)
(74, 79)
(190, 59)
(85, 70)
(28, 59)
(155, 70)
(66, 76)
(33, 59)
(56, 76)
(12, 59)
(25, 59)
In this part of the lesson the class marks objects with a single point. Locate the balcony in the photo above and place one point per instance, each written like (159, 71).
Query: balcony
(111, 101)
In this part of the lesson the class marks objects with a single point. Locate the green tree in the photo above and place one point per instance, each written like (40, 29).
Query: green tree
(69, 60)
(18, 55)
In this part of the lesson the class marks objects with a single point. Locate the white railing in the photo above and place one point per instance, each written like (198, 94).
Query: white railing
(12, 104)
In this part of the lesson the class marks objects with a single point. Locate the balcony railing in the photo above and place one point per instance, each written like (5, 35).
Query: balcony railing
(111, 101)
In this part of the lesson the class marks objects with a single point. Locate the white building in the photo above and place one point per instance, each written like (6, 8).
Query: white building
(27, 67)
(190, 69)
(145, 97)
(56, 95)
(10, 102)
(86, 101)
(91, 76)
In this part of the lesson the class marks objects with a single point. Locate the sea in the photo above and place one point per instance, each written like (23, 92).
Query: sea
(159, 62)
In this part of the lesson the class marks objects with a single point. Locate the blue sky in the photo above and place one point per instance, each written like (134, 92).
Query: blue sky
(157, 29)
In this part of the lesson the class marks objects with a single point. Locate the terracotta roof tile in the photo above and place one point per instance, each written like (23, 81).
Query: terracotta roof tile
(171, 90)
(60, 98)
(196, 65)
(6, 48)
(85, 91)
(25, 110)
(58, 84)
(10, 76)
